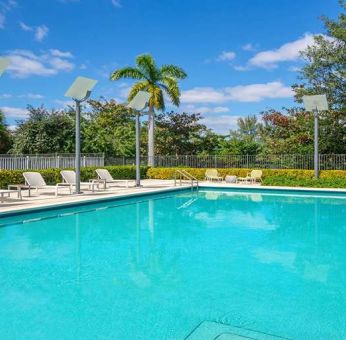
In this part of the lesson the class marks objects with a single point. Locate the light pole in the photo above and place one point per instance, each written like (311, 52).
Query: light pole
(315, 104)
(138, 103)
(79, 91)
(4, 62)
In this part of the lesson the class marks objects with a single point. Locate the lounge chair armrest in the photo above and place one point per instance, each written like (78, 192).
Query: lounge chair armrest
(63, 184)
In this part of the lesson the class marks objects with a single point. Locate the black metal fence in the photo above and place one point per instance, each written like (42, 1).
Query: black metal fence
(327, 162)
(25, 162)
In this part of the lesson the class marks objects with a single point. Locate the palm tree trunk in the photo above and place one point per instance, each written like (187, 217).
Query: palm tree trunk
(151, 137)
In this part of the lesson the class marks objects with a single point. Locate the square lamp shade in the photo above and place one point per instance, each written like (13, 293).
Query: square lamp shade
(3, 65)
(140, 101)
(318, 102)
(80, 88)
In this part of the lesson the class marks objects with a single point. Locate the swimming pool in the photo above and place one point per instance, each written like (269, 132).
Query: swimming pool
(177, 265)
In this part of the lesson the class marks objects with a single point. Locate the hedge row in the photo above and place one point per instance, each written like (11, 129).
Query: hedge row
(280, 177)
(52, 176)
(304, 178)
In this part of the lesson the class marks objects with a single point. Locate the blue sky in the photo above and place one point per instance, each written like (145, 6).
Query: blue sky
(241, 56)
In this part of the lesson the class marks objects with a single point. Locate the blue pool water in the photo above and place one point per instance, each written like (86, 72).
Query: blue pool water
(155, 267)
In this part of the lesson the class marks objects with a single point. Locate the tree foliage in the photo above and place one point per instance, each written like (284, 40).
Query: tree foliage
(44, 132)
(153, 79)
(5, 135)
(325, 68)
(291, 132)
(244, 140)
(183, 134)
(110, 129)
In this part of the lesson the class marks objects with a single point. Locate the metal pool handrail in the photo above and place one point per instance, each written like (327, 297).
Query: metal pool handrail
(183, 174)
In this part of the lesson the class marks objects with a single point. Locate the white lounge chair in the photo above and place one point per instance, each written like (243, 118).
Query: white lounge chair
(212, 175)
(252, 177)
(104, 175)
(34, 180)
(69, 177)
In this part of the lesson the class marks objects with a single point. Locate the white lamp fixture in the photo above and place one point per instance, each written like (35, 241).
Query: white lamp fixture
(316, 104)
(138, 103)
(79, 91)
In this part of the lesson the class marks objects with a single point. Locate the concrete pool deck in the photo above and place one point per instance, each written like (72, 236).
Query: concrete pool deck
(45, 198)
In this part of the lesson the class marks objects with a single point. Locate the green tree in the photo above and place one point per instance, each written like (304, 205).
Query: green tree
(325, 68)
(291, 132)
(5, 135)
(244, 140)
(157, 81)
(45, 132)
(183, 134)
(111, 129)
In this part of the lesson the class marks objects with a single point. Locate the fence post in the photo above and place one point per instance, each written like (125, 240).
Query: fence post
(27, 160)
(84, 161)
(57, 161)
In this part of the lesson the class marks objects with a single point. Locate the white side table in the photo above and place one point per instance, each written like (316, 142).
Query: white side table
(231, 179)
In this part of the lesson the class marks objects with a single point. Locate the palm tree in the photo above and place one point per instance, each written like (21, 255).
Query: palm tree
(157, 81)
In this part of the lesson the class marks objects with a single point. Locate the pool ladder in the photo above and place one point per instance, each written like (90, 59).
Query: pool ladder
(183, 174)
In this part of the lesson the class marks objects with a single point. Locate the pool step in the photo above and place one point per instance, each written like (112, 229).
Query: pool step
(211, 330)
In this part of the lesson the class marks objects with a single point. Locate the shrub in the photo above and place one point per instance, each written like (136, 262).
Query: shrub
(52, 176)
(276, 177)
(199, 173)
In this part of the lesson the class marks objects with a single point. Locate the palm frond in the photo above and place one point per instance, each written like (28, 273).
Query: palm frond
(147, 65)
(140, 86)
(127, 72)
(172, 89)
(156, 100)
(173, 71)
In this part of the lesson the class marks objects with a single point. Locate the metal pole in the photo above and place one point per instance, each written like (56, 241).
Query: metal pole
(316, 155)
(77, 160)
(138, 150)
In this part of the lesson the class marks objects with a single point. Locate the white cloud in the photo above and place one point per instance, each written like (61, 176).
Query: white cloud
(220, 109)
(248, 47)
(258, 92)
(24, 63)
(294, 69)
(31, 96)
(61, 64)
(60, 54)
(207, 109)
(12, 127)
(241, 68)
(41, 32)
(242, 93)
(14, 112)
(203, 95)
(226, 56)
(25, 27)
(27, 96)
(288, 52)
(6, 95)
(220, 123)
(5, 7)
(116, 3)
(123, 91)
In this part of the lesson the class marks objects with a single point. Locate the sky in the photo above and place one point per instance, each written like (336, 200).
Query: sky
(241, 56)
